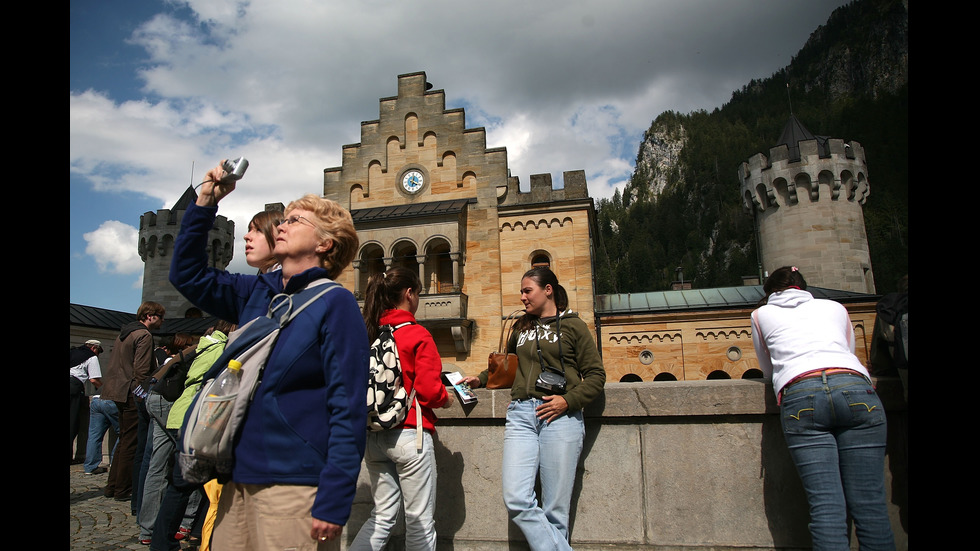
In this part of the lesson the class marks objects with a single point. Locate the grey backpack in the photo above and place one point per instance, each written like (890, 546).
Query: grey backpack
(250, 345)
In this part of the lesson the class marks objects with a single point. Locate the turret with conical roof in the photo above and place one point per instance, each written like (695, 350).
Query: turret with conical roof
(807, 198)
(158, 230)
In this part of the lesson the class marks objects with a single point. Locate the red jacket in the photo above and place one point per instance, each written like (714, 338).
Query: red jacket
(421, 367)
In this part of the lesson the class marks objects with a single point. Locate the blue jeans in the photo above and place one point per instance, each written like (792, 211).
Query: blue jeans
(102, 415)
(172, 508)
(400, 473)
(159, 451)
(835, 429)
(551, 450)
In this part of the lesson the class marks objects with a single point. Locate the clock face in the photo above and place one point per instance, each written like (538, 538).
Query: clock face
(412, 181)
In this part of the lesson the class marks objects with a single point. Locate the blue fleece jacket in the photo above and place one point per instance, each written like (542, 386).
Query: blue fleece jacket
(306, 424)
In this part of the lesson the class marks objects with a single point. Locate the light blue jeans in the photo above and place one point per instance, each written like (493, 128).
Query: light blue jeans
(836, 431)
(400, 474)
(534, 448)
(102, 415)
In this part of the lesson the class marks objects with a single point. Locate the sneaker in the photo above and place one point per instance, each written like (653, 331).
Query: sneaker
(98, 470)
(146, 541)
(183, 533)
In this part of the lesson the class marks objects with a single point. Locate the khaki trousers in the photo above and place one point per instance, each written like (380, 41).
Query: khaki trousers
(269, 517)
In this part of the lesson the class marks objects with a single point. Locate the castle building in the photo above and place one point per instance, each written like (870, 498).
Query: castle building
(157, 233)
(807, 198)
(427, 193)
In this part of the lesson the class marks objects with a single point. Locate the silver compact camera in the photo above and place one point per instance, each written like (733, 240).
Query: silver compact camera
(234, 169)
(550, 382)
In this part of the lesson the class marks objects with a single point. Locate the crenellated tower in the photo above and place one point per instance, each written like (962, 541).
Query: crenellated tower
(807, 198)
(158, 230)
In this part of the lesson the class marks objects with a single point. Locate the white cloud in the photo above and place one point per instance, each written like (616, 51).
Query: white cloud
(113, 247)
(562, 84)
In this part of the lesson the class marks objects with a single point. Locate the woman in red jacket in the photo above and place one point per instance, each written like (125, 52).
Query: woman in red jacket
(400, 472)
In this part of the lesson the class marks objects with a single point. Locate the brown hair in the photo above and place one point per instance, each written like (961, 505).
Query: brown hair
(266, 222)
(384, 292)
(150, 308)
(225, 326)
(542, 277)
(333, 223)
(179, 342)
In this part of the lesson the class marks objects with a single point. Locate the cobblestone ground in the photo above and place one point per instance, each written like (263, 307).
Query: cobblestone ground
(99, 523)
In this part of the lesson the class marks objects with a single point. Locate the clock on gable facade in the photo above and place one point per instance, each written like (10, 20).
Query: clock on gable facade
(413, 180)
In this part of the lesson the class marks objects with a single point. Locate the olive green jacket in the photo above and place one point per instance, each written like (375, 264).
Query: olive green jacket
(584, 373)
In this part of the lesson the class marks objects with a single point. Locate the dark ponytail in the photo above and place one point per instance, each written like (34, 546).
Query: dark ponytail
(543, 277)
(383, 293)
(787, 277)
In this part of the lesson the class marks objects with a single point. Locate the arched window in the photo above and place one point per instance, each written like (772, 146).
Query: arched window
(540, 259)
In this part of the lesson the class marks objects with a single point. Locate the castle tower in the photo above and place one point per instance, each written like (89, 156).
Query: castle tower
(156, 244)
(807, 198)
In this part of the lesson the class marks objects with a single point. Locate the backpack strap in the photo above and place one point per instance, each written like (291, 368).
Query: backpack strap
(283, 299)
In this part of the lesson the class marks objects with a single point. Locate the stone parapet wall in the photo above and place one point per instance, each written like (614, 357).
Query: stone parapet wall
(668, 466)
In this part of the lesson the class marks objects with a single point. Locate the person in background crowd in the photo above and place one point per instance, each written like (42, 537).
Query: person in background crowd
(132, 363)
(83, 365)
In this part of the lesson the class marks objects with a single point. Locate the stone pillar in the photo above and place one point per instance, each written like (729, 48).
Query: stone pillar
(456, 257)
(357, 278)
(420, 259)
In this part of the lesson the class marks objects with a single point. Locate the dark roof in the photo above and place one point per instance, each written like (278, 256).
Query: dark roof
(101, 318)
(718, 298)
(91, 316)
(793, 133)
(415, 210)
(186, 199)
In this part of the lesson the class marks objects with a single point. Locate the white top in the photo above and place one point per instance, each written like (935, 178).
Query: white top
(89, 369)
(795, 333)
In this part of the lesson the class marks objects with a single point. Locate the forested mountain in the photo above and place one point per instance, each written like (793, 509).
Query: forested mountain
(681, 207)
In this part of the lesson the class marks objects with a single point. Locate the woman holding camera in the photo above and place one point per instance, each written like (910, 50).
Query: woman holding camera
(559, 373)
(301, 441)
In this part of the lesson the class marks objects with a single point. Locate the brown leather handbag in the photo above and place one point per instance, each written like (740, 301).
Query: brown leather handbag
(502, 365)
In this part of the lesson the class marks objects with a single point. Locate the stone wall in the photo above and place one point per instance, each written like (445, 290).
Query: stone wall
(666, 466)
(692, 345)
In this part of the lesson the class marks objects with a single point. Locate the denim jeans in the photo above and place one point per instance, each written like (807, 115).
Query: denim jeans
(400, 473)
(139, 456)
(160, 450)
(102, 415)
(836, 431)
(551, 450)
(173, 507)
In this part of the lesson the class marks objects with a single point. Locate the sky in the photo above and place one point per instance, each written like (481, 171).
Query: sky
(161, 90)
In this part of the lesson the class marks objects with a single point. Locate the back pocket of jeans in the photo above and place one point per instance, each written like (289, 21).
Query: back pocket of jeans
(797, 413)
(864, 406)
